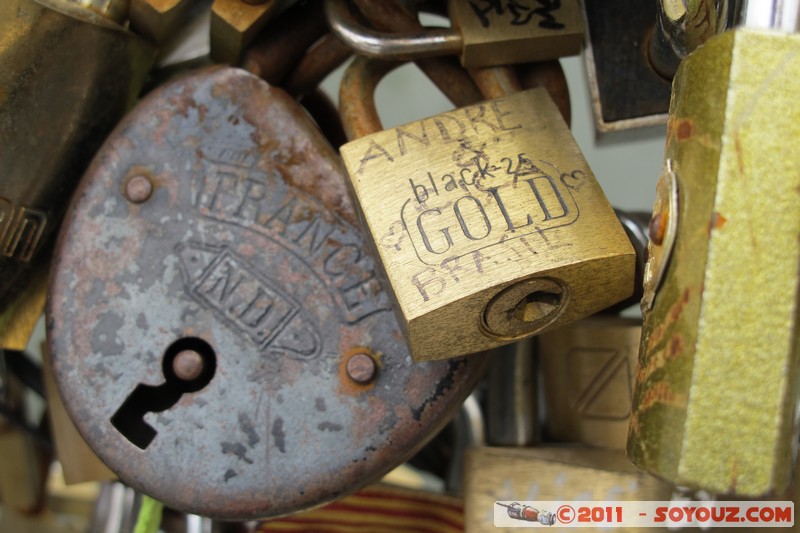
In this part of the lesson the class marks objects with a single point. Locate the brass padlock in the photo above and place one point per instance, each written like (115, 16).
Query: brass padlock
(55, 100)
(234, 355)
(721, 290)
(487, 221)
(484, 33)
(588, 370)
(550, 474)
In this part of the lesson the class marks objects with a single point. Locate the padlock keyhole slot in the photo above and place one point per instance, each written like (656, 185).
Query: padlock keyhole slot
(536, 305)
(188, 366)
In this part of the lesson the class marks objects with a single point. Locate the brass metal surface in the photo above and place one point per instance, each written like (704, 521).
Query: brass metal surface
(465, 206)
(493, 34)
(728, 302)
(551, 474)
(234, 25)
(588, 369)
(157, 19)
(62, 103)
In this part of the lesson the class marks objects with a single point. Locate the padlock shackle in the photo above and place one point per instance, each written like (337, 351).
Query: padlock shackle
(357, 95)
(357, 91)
(324, 56)
(432, 42)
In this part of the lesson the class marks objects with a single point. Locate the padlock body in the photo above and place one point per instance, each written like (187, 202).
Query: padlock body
(62, 103)
(489, 225)
(549, 474)
(715, 401)
(500, 33)
(588, 369)
(215, 222)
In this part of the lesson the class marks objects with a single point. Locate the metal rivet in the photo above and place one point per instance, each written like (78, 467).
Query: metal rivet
(361, 368)
(188, 365)
(138, 188)
(656, 228)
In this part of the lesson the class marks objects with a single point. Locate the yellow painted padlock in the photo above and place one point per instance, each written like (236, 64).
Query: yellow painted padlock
(487, 220)
(721, 286)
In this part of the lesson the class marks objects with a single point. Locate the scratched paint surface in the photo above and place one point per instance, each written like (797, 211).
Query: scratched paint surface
(247, 242)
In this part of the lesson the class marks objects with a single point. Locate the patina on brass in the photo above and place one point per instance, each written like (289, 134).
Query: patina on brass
(489, 225)
(715, 401)
(56, 107)
(493, 33)
(157, 19)
(235, 23)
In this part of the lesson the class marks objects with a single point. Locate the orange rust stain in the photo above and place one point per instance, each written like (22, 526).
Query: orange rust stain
(717, 220)
(676, 346)
(347, 385)
(684, 130)
(660, 393)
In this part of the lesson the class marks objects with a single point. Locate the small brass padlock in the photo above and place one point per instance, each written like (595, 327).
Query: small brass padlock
(487, 221)
(588, 370)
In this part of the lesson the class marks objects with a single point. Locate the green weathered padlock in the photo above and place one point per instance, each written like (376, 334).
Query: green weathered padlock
(717, 390)
(67, 74)
(487, 221)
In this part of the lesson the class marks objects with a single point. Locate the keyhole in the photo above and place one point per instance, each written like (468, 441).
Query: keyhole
(188, 365)
(536, 305)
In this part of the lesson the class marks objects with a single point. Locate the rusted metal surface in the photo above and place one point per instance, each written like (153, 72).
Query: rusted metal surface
(444, 72)
(357, 95)
(248, 253)
(324, 112)
(325, 56)
(495, 82)
(275, 52)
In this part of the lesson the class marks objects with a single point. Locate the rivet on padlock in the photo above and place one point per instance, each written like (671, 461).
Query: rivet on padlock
(53, 99)
(721, 283)
(484, 33)
(235, 355)
(487, 221)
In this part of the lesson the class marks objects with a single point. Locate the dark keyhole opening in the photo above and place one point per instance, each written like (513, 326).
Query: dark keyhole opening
(537, 305)
(188, 366)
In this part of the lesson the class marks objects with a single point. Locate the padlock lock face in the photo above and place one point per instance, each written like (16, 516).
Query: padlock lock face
(217, 330)
(588, 371)
(499, 33)
(489, 224)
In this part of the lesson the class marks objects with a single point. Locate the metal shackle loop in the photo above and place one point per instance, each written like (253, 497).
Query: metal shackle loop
(405, 46)
(356, 92)
(356, 95)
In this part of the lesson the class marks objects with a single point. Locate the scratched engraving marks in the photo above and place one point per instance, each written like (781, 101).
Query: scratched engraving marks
(232, 192)
(603, 390)
(462, 211)
(21, 229)
(544, 13)
(247, 301)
